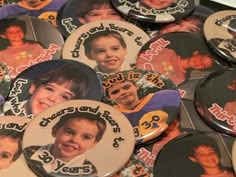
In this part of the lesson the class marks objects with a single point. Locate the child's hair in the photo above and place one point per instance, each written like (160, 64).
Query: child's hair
(198, 141)
(67, 73)
(131, 81)
(17, 136)
(100, 122)
(86, 6)
(104, 33)
(6, 23)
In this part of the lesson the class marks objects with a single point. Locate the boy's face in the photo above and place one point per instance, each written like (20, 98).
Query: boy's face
(198, 61)
(104, 12)
(8, 148)
(108, 53)
(74, 138)
(14, 34)
(157, 4)
(206, 156)
(47, 95)
(123, 93)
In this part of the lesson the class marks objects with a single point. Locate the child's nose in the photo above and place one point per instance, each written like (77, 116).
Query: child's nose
(109, 53)
(53, 97)
(76, 139)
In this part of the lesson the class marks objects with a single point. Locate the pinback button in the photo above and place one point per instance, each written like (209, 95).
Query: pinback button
(11, 133)
(76, 137)
(157, 12)
(92, 42)
(181, 157)
(215, 100)
(223, 38)
(5, 82)
(42, 42)
(149, 100)
(192, 59)
(47, 83)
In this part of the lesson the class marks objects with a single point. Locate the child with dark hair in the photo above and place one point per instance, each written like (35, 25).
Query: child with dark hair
(18, 51)
(94, 10)
(206, 153)
(62, 84)
(74, 134)
(108, 49)
(10, 147)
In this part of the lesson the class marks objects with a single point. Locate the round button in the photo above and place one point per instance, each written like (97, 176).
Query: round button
(149, 100)
(51, 82)
(76, 137)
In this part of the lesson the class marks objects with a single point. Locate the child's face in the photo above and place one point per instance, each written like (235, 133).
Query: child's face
(198, 61)
(74, 138)
(157, 4)
(47, 95)
(8, 148)
(206, 156)
(14, 34)
(123, 93)
(108, 53)
(105, 12)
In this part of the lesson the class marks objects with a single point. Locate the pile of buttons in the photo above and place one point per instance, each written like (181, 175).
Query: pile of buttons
(120, 88)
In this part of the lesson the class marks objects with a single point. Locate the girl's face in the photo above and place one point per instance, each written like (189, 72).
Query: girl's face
(104, 12)
(8, 148)
(14, 34)
(108, 54)
(47, 95)
(74, 138)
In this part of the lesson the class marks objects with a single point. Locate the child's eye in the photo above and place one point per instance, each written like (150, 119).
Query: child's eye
(115, 48)
(87, 137)
(115, 92)
(4, 156)
(93, 14)
(126, 87)
(99, 51)
(49, 88)
(69, 132)
(114, 13)
(66, 97)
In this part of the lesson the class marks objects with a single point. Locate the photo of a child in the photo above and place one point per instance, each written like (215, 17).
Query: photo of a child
(66, 82)
(74, 134)
(108, 49)
(11, 134)
(205, 154)
(18, 50)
